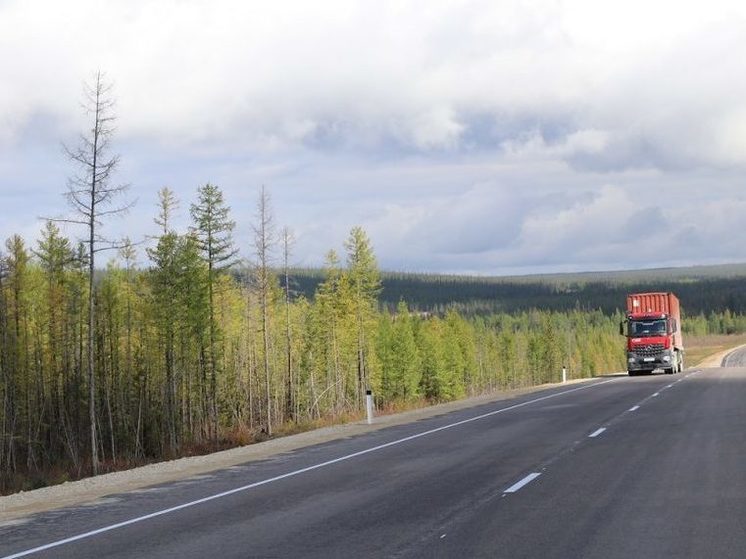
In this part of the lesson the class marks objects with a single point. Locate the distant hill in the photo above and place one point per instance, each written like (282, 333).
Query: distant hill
(702, 289)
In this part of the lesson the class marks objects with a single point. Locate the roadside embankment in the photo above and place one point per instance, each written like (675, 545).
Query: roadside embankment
(87, 491)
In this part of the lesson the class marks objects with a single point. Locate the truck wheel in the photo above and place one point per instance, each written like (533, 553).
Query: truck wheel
(669, 370)
(632, 373)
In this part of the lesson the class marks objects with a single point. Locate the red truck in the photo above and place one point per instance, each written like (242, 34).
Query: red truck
(653, 330)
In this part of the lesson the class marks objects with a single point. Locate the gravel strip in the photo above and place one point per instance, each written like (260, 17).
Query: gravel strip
(88, 490)
(717, 359)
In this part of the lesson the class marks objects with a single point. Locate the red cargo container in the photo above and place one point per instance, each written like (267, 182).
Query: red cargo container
(654, 333)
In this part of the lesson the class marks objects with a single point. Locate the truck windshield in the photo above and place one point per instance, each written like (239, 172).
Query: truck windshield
(647, 328)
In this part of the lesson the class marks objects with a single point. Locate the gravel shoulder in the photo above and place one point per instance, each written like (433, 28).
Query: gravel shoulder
(716, 359)
(89, 490)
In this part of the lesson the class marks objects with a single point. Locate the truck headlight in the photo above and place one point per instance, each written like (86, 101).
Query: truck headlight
(666, 358)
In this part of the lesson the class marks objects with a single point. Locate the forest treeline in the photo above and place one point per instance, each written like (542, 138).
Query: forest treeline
(700, 291)
(192, 355)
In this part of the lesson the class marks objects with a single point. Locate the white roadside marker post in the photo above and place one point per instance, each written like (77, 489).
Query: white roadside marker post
(369, 405)
(564, 375)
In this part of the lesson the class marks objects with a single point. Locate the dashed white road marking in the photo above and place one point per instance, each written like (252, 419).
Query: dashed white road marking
(294, 473)
(656, 394)
(525, 481)
(597, 432)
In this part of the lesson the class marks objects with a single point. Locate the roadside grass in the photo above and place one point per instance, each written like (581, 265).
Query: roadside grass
(699, 348)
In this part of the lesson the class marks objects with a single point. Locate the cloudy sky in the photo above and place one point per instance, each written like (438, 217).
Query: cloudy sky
(488, 137)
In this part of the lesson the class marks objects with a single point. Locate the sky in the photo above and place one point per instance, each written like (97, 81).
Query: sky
(477, 137)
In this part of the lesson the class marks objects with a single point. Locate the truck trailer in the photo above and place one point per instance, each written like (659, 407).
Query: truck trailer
(652, 326)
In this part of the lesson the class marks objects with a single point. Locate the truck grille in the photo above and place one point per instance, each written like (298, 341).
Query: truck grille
(650, 350)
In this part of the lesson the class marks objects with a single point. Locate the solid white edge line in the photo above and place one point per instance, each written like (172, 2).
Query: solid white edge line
(525, 481)
(293, 473)
(634, 408)
(597, 432)
(656, 394)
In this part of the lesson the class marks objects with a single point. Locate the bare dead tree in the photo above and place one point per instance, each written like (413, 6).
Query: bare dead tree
(263, 246)
(290, 399)
(92, 196)
(5, 388)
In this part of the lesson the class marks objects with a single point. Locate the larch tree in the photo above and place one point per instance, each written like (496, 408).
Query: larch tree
(92, 196)
(165, 257)
(17, 366)
(213, 230)
(406, 371)
(365, 285)
(264, 240)
(5, 391)
(164, 276)
(56, 256)
(128, 254)
(290, 387)
(430, 343)
(324, 337)
(167, 204)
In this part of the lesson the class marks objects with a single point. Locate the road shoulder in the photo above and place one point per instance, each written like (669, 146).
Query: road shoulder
(716, 360)
(87, 491)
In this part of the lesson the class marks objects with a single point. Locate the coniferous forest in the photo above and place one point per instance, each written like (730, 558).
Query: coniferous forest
(195, 352)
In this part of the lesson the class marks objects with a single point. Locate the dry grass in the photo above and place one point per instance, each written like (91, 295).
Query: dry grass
(699, 348)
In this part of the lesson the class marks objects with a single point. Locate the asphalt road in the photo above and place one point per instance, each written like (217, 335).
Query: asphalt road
(735, 358)
(651, 466)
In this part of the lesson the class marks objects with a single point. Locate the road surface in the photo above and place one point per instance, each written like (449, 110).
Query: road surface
(735, 358)
(619, 467)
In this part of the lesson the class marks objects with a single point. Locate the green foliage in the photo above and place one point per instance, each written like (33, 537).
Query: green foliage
(401, 366)
(434, 378)
(212, 226)
(363, 279)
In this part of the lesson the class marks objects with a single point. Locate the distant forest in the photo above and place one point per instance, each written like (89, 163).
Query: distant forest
(702, 290)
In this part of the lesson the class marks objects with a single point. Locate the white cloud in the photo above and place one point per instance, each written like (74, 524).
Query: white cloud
(278, 73)
(473, 135)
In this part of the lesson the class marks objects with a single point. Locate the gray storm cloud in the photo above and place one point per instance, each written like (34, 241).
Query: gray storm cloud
(465, 136)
